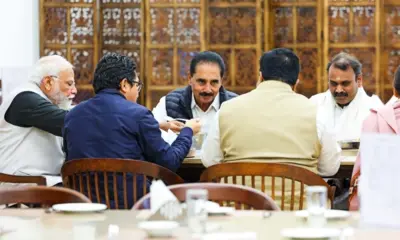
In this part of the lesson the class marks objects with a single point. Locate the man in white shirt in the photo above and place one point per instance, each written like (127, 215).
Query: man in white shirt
(272, 123)
(345, 105)
(200, 99)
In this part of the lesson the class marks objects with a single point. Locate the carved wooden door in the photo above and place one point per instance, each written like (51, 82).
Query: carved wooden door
(68, 28)
(122, 30)
(234, 30)
(390, 32)
(353, 26)
(175, 32)
(296, 24)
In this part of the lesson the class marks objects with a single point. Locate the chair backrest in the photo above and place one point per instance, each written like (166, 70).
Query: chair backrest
(240, 197)
(84, 174)
(40, 181)
(269, 175)
(45, 196)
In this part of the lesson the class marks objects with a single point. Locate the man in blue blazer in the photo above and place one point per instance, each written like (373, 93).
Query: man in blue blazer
(113, 125)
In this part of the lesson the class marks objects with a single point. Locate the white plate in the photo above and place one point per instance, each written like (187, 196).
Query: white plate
(329, 214)
(310, 233)
(159, 228)
(79, 207)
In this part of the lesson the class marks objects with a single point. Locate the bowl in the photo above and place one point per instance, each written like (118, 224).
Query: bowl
(350, 144)
(159, 228)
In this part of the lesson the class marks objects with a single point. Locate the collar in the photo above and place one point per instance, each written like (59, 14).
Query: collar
(273, 85)
(215, 103)
(111, 91)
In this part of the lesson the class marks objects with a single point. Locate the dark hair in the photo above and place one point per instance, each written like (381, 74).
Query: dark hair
(111, 70)
(207, 57)
(343, 61)
(280, 64)
(396, 80)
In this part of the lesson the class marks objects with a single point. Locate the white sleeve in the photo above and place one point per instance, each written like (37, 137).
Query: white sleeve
(329, 160)
(211, 150)
(160, 111)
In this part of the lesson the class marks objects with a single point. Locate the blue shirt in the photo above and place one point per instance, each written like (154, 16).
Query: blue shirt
(109, 126)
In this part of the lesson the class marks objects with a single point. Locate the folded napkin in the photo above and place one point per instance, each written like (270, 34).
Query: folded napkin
(163, 203)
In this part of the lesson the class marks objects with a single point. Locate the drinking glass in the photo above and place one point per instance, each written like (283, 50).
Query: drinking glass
(196, 200)
(316, 205)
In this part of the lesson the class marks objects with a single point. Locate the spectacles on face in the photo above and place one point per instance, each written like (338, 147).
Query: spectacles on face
(139, 85)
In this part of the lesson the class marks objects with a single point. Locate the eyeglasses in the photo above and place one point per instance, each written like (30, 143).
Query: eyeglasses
(139, 84)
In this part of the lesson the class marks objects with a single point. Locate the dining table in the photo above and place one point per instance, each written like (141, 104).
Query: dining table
(192, 167)
(35, 224)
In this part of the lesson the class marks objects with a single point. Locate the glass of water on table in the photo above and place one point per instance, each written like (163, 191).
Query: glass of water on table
(316, 205)
(196, 200)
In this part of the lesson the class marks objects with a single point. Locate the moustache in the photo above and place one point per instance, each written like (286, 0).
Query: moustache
(206, 94)
(341, 94)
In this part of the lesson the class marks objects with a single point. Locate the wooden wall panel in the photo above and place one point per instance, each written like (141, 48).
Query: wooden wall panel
(164, 35)
(296, 25)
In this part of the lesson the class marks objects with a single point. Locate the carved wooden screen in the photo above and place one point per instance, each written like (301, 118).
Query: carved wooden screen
(122, 30)
(296, 25)
(353, 26)
(68, 28)
(234, 31)
(390, 23)
(175, 32)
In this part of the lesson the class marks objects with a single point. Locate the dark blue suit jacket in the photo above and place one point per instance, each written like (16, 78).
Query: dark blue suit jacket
(109, 126)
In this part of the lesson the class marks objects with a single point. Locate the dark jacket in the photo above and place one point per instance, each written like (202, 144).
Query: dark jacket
(109, 126)
(178, 102)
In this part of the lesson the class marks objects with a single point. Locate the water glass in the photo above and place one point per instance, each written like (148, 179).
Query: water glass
(198, 139)
(196, 200)
(316, 205)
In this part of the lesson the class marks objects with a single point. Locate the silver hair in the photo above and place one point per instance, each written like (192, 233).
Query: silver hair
(49, 66)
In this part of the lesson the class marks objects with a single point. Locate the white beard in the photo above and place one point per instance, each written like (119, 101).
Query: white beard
(65, 105)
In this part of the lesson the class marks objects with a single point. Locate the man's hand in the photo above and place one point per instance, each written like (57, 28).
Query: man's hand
(194, 124)
(176, 126)
(164, 126)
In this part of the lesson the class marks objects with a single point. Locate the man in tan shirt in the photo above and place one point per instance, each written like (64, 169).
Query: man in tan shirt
(272, 123)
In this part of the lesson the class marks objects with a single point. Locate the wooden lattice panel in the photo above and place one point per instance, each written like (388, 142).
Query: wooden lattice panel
(353, 26)
(296, 25)
(68, 28)
(175, 34)
(234, 31)
(122, 30)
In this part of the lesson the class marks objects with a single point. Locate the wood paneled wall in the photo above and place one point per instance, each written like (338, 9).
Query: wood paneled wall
(163, 35)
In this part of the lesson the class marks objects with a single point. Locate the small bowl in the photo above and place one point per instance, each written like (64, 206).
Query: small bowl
(349, 144)
(159, 228)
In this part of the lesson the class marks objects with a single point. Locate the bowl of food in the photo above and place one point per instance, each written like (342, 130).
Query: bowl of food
(350, 144)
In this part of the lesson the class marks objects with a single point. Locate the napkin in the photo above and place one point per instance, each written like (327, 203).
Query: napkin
(163, 203)
(169, 136)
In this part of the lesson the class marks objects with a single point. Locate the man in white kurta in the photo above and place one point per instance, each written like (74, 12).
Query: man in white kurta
(345, 105)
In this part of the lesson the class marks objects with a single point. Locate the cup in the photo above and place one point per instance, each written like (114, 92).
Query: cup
(196, 200)
(316, 205)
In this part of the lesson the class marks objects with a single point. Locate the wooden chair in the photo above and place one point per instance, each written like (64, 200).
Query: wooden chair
(40, 181)
(84, 174)
(242, 171)
(45, 196)
(225, 194)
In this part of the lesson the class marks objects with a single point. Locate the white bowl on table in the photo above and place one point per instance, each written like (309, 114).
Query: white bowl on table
(159, 228)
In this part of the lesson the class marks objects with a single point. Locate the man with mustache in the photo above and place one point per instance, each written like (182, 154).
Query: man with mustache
(345, 105)
(201, 99)
(32, 118)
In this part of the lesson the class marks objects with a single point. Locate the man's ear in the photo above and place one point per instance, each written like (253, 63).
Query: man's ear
(189, 78)
(359, 80)
(47, 83)
(123, 85)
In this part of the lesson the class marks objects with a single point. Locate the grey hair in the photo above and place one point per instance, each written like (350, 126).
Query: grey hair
(49, 66)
